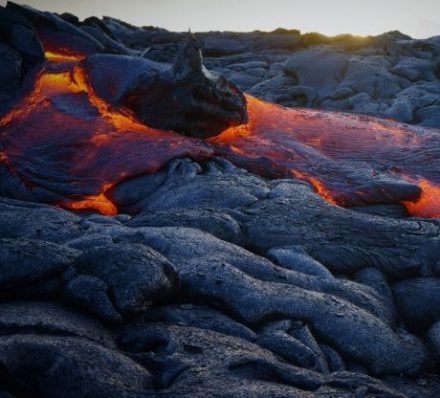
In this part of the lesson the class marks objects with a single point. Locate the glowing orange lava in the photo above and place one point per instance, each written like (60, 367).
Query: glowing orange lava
(343, 156)
(428, 204)
(65, 145)
(318, 186)
(62, 56)
(98, 202)
(73, 144)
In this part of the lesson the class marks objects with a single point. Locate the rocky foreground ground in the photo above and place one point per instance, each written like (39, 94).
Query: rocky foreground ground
(220, 283)
(224, 284)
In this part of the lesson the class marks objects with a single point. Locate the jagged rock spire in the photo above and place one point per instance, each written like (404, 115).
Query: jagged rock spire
(185, 97)
(189, 58)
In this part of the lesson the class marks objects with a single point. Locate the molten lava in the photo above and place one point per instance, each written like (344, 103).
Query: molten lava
(63, 144)
(428, 204)
(349, 159)
(72, 146)
(62, 56)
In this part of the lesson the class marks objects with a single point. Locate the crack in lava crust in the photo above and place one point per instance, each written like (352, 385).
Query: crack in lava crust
(63, 144)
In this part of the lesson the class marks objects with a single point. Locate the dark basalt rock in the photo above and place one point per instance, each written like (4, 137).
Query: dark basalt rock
(20, 52)
(25, 261)
(18, 33)
(418, 302)
(202, 317)
(318, 68)
(378, 281)
(294, 342)
(92, 295)
(60, 366)
(215, 222)
(10, 65)
(186, 185)
(188, 98)
(296, 259)
(183, 97)
(204, 248)
(107, 74)
(429, 116)
(433, 337)
(235, 324)
(333, 242)
(136, 276)
(190, 362)
(54, 31)
(31, 221)
(37, 317)
(352, 331)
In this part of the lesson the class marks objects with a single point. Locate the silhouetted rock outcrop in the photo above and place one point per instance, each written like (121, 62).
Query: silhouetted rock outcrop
(187, 97)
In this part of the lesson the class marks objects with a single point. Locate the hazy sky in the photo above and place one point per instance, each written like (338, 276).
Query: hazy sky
(418, 18)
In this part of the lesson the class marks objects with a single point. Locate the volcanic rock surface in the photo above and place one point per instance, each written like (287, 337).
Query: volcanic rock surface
(204, 278)
(265, 290)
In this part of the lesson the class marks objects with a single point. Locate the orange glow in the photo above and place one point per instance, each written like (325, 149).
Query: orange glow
(428, 203)
(336, 152)
(317, 185)
(98, 203)
(81, 146)
(62, 57)
(121, 118)
(321, 190)
(93, 145)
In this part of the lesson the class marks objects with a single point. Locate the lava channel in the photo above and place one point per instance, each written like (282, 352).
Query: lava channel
(62, 144)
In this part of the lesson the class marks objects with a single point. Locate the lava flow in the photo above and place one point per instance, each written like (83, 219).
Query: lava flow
(349, 159)
(63, 144)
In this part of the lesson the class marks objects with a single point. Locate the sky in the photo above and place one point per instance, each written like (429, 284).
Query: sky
(418, 18)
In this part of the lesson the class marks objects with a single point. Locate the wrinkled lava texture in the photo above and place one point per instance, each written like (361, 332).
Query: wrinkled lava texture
(65, 145)
(215, 269)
